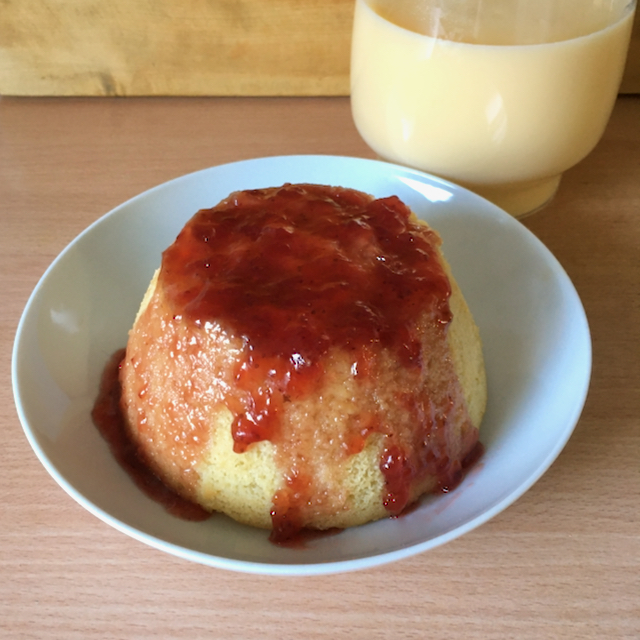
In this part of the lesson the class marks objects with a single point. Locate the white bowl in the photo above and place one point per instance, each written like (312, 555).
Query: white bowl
(533, 326)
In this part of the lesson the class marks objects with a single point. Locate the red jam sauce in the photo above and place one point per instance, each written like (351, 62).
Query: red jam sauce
(303, 268)
(108, 418)
(299, 272)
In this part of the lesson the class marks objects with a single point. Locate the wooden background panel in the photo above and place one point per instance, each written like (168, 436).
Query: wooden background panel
(186, 48)
(631, 79)
(175, 47)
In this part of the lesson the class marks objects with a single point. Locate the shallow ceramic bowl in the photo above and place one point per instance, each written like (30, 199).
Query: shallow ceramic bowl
(535, 335)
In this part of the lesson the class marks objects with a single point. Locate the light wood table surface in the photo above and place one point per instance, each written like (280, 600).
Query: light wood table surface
(562, 562)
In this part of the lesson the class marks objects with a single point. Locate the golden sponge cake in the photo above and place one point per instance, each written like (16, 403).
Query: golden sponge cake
(303, 358)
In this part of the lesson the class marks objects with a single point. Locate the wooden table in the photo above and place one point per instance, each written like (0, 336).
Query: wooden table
(562, 562)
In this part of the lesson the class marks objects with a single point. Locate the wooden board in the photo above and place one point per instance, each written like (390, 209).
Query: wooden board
(185, 47)
(631, 79)
(175, 47)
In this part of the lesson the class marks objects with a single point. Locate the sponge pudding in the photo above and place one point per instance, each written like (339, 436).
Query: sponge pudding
(303, 358)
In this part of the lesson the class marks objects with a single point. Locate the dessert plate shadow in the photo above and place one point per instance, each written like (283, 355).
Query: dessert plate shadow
(533, 326)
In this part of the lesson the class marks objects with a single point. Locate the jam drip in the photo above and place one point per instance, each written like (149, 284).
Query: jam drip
(108, 417)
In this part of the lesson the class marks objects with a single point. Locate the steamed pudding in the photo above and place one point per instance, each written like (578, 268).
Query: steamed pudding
(303, 358)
